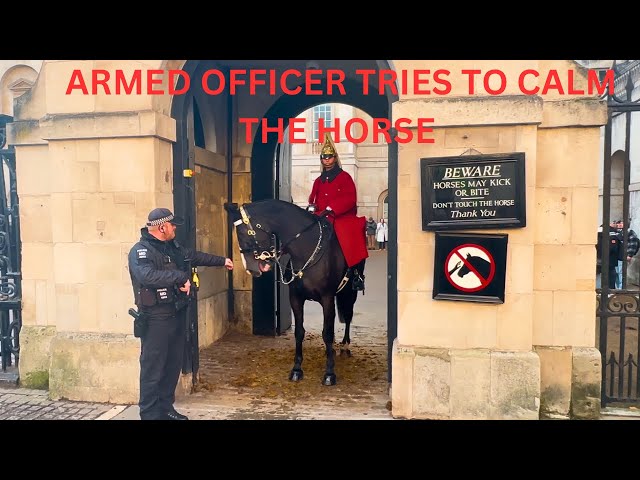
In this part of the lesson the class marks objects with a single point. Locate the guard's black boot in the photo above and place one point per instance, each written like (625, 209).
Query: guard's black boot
(358, 281)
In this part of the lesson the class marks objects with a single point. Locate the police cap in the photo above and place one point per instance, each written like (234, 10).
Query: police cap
(158, 216)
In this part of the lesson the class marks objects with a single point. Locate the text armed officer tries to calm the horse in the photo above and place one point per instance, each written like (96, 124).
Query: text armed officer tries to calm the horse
(334, 195)
(160, 272)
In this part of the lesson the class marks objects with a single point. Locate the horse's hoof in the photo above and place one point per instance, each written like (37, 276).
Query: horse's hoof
(329, 379)
(296, 375)
(345, 352)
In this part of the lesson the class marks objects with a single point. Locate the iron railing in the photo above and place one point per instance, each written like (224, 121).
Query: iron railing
(618, 310)
(10, 261)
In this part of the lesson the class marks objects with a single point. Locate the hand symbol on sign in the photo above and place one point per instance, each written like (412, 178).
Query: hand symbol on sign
(458, 265)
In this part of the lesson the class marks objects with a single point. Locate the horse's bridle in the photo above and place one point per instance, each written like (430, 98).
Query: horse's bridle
(271, 253)
(251, 231)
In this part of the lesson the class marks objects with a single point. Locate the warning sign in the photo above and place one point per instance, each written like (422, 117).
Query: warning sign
(470, 267)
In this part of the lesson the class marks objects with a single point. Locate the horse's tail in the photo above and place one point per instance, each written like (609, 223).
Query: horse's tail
(340, 311)
(344, 301)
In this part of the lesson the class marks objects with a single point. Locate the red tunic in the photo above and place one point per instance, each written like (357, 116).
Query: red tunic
(340, 195)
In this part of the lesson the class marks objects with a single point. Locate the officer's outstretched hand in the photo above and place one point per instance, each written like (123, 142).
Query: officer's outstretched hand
(228, 263)
(186, 288)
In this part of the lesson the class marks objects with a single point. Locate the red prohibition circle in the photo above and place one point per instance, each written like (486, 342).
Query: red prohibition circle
(487, 280)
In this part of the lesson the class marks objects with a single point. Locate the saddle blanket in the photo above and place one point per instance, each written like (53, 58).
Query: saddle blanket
(351, 234)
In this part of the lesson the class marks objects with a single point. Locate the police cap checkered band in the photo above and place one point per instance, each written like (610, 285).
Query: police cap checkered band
(158, 216)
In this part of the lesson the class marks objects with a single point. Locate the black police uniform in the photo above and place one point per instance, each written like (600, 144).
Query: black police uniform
(158, 269)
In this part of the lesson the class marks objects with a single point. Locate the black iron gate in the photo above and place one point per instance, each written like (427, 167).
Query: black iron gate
(618, 309)
(10, 261)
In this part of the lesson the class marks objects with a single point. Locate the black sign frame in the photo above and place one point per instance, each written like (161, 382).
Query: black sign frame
(492, 276)
(432, 218)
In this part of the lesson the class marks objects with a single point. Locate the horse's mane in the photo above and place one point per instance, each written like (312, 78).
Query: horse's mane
(285, 204)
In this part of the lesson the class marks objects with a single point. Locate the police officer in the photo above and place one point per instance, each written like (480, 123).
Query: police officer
(161, 279)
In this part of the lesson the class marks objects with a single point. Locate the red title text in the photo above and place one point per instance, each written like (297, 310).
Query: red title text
(332, 82)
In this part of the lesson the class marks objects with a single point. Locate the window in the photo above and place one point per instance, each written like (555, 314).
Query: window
(198, 127)
(325, 112)
(385, 208)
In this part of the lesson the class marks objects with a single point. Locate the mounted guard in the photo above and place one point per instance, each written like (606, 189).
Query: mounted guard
(334, 196)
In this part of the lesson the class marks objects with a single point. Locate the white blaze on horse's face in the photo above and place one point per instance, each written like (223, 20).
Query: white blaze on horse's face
(244, 263)
(236, 224)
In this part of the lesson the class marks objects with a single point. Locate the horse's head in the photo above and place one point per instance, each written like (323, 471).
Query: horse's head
(479, 266)
(256, 246)
(464, 269)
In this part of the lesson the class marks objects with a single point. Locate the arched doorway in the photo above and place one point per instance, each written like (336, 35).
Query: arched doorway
(264, 157)
(262, 172)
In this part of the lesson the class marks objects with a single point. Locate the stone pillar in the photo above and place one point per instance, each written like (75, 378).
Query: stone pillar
(462, 360)
(566, 224)
(89, 169)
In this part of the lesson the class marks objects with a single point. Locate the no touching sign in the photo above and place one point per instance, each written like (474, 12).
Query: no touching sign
(470, 267)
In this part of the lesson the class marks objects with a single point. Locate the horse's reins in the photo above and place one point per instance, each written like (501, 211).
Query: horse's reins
(272, 254)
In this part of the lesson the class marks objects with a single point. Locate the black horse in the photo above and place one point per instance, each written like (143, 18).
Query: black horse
(316, 271)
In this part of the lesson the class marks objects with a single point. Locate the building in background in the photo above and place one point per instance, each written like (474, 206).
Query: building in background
(366, 161)
(625, 146)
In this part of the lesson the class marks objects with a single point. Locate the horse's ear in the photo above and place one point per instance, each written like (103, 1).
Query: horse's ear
(468, 255)
(230, 206)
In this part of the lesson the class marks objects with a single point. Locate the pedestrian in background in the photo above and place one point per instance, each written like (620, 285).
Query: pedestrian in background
(626, 252)
(382, 234)
(615, 244)
(371, 233)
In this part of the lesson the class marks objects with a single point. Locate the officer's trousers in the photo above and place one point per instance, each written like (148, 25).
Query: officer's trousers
(161, 356)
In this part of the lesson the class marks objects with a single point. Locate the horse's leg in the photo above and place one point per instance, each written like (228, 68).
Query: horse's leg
(346, 299)
(328, 335)
(297, 306)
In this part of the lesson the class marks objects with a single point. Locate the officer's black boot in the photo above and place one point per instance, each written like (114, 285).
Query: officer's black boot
(174, 415)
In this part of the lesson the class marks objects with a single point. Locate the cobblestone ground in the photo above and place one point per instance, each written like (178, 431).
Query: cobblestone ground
(247, 377)
(26, 404)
